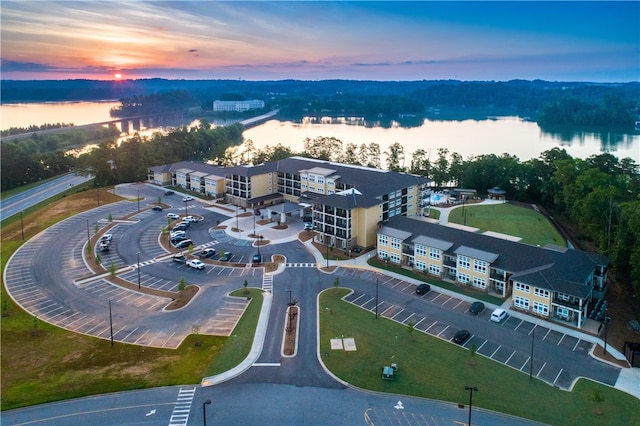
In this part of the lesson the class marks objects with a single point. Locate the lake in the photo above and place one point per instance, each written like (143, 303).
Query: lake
(511, 135)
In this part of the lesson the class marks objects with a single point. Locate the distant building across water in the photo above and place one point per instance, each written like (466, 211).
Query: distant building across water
(237, 106)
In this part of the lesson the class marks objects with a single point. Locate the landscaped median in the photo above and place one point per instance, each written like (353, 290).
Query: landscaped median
(432, 368)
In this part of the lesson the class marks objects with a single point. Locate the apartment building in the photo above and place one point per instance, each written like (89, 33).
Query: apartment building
(346, 202)
(237, 106)
(552, 282)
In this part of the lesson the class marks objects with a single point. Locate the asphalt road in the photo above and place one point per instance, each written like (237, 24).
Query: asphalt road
(19, 202)
(49, 277)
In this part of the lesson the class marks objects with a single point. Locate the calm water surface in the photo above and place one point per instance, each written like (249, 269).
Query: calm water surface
(511, 135)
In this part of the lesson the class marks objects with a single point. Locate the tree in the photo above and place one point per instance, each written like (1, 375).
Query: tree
(472, 352)
(182, 284)
(440, 170)
(112, 269)
(245, 284)
(597, 398)
(420, 163)
(395, 157)
(411, 326)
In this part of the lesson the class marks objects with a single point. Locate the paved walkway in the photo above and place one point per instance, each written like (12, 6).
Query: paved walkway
(628, 381)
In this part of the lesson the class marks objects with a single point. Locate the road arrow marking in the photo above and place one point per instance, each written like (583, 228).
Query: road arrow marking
(151, 412)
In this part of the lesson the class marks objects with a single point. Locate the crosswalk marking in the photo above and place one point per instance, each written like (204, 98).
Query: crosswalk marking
(267, 282)
(301, 265)
(180, 415)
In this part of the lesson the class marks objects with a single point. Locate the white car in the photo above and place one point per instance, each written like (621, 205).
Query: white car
(177, 234)
(187, 198)
(195, 263)
(498, 315)
(192, 219)
(173, 216)
(106, 237)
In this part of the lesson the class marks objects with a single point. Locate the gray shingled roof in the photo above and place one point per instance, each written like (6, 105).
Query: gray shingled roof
(566, 272)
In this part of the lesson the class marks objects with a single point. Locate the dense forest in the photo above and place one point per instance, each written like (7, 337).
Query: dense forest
(554, 103)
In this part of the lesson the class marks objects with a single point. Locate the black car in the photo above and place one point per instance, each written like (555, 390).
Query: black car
(180, 227)
(476, 308)
(184, 244)
(423, 288)
(176, 240)
(207, 253)
(157, 208)
(256, 258)
(169, 192)
(226, 257)
(180, 258)
(461, 336)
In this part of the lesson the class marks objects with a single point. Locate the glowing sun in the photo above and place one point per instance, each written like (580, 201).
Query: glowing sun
(118, 76)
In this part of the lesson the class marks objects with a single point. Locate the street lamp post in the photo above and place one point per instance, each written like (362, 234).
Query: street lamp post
(138, 268)
(533, 333)
(111, 322)
(204, 411)
(376, 298)
(470, 389)
(607, 320)
(138, 200)
(186, 207)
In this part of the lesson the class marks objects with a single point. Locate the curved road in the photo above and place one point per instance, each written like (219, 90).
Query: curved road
(279, 390)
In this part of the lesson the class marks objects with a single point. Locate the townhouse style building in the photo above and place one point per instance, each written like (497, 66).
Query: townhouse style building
(346, 202)
(552, 282)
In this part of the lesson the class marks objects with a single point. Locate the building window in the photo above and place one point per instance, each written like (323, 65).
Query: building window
(383, 254)
(479, 282)
(464, 262)
(394, 257)
(421, 250)
(383, 240)
(563, 296)
(540, 308)
(434, 269)
(320, 179)
(541, 292)
(463, 278)
(521, 302)
(420, 265)
(480, 266)
(522, 287)
(434, 253)
(395, 243)
(563, 313)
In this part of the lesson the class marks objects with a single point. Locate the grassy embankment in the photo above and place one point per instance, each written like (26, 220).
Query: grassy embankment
(429, 367)
(42, 363)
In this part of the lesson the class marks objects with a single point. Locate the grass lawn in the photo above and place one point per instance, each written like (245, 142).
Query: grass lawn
(431, 368)
(509, 219)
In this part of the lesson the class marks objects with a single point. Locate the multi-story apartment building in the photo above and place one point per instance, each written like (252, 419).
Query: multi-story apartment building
(237, 106)
(551, 282)
(346, 202)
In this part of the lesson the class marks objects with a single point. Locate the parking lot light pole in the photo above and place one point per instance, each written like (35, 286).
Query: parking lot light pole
(470, 389)
(138, 200)
(138, 268)
(607, 320)
(204, 411)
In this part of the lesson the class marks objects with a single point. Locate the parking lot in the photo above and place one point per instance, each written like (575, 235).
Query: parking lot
(546, 366)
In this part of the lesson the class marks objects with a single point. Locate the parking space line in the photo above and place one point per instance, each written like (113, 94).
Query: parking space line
(406, 319)
(546, 334)
(399, 312)
(169, 339)
(494, 352)
(445, 302)
(541, 368)
(525, 363)
(534, 327)
(416, 324)
(509, 359)
(128, 335)
(483, 343)
(139, 338)
(443, 330)
(560, 341)
(576, 345)
(558, 376)
(458, 304)
(392, 306)
(434, 323)
(519, 324)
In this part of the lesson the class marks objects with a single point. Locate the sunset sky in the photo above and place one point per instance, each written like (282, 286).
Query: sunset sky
(564, 41)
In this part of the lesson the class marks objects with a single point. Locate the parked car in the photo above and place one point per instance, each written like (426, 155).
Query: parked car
(106, 237)
(173, 216)
(461, 336)
(307, 219)
(176, 240)
(357, 249)
(207, 253)
(180, 258)
(157, 208)
(226, 257)
(184, 244)
(185, 223)
(175, 234)
(169, 192)
(498, 315)
(187, 198)
(423, 288)
(179, 227)
(476, 308)
(256, 212)
(195, 263)
(256, 258)
(308, 226)
(104, 245)
(191, 219)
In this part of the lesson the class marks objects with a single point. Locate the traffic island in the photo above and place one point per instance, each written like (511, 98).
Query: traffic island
(290, 342)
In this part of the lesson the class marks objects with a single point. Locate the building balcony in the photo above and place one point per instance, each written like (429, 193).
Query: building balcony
(572, 304)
